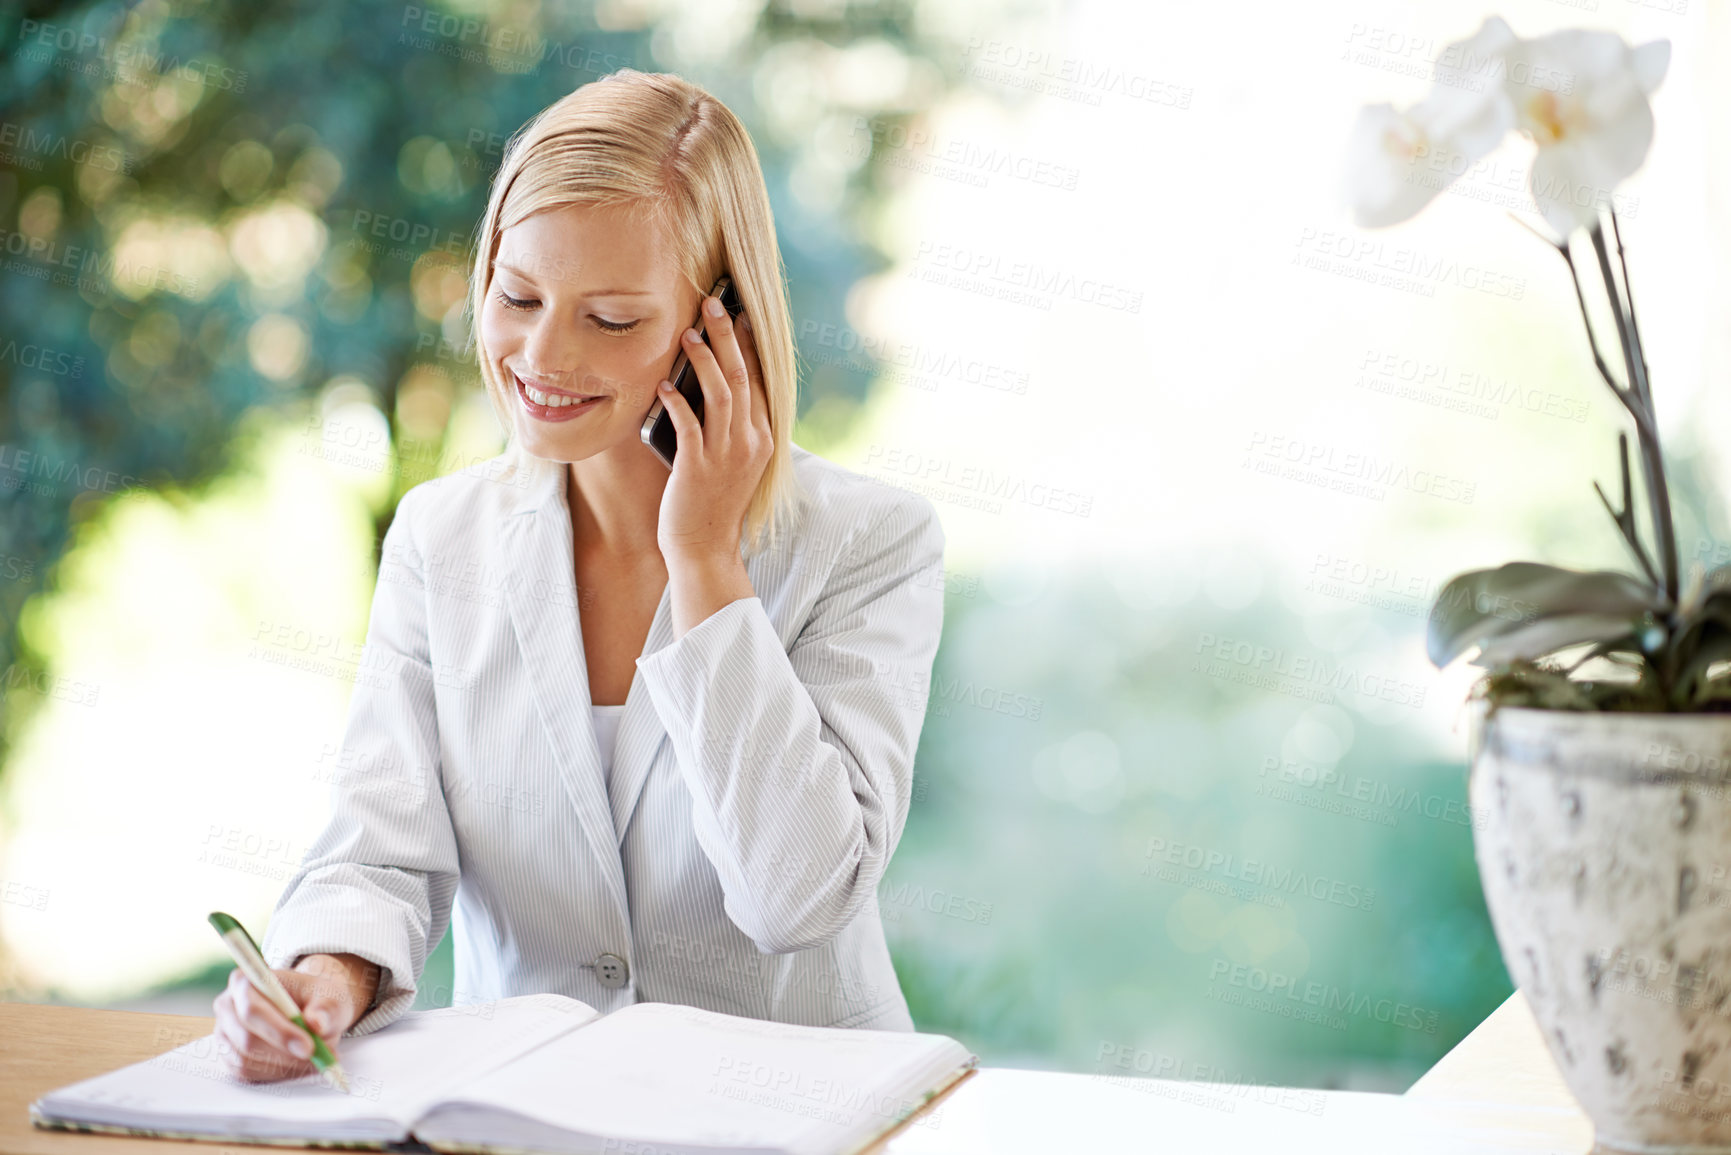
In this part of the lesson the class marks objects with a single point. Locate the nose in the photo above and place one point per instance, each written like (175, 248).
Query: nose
(549, 352)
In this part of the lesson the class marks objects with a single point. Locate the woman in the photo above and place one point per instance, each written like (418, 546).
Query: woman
(638, 735)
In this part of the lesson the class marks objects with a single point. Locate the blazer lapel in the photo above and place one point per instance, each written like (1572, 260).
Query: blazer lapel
(542, 595)
(641, 733)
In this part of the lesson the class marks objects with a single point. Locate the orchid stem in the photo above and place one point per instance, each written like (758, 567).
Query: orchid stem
(1652, 459)
(1629, 299)
(1624, 517)
(1623, 394)
(1635, 398)
(1619, 310)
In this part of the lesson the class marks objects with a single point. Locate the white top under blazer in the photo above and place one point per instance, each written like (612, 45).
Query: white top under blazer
(605, 719)
(763, 769)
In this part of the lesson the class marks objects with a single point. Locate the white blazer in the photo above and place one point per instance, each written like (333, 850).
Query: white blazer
(761, 779)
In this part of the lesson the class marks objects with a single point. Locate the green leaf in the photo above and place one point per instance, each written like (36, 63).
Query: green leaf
(1712, 645)
(1480, 605)
(1548, 635)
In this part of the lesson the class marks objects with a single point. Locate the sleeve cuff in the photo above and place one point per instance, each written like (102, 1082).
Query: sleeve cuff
(291, 936)
(695, 654)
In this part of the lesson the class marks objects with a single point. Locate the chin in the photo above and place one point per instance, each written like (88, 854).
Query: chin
(537, 442)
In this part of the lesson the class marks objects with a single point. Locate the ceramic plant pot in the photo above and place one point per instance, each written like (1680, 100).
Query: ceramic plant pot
(1604, 845)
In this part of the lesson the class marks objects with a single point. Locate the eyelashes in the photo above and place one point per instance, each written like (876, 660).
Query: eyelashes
(604, 325)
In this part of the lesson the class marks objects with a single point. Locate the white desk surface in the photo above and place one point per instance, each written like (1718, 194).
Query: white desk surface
(1497, 1091)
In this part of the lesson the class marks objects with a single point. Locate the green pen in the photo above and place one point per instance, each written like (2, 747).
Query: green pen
(250, 959)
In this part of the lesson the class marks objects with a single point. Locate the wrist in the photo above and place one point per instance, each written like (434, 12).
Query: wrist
(360, 979)
(364, 978)
(700, 583)
(702, 559)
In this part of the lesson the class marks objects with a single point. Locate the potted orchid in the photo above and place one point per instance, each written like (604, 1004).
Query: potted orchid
(1601, 739)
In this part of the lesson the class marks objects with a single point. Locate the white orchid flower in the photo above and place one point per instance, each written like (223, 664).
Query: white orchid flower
(1582, 97)
(1397, 161)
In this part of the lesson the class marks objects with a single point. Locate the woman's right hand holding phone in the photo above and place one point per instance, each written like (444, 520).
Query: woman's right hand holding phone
(262, 1045)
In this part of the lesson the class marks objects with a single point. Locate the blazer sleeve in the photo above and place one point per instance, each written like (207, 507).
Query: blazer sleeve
(379, 879)
(800, 760)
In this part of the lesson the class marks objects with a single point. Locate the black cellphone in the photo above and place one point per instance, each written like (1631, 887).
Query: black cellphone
(657, 430)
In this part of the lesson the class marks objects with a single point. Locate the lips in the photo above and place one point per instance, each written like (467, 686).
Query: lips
(553, 404)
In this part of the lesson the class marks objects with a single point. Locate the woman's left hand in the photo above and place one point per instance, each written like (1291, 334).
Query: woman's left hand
(719, 463)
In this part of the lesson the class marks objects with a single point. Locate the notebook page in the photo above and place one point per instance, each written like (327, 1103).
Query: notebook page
(672, 1077)
(392, 1073)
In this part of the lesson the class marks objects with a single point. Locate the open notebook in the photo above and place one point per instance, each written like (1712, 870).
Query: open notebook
(544, 1073)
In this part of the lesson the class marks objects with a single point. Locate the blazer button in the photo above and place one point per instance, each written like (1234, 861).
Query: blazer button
(611, 970)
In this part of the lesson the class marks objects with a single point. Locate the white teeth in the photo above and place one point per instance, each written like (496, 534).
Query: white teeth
(554, 400)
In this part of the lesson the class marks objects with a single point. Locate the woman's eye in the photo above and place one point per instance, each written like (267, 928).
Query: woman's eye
(602, 323)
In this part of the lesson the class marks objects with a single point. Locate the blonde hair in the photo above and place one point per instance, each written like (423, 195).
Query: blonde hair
(658, 141)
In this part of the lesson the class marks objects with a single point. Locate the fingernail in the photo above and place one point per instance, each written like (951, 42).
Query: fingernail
(665, 387)
(713, 306)
(303, 1047)
(691, 335)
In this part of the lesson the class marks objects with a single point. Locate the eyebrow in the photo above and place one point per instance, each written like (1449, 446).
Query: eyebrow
(510, 268)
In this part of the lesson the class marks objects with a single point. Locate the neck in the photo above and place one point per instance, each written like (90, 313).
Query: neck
(615, 500)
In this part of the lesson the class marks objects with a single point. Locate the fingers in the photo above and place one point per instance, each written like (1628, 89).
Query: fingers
(250, 1059)
(329, 1015)
(324, 988)
(759, 399)
(717, 396)
(748, 347)
(260, 1016)
(725, 343)
(261, 1043)
(320, 1014)
(686, 431)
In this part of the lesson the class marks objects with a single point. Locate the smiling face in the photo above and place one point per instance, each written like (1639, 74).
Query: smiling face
(581, 322)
